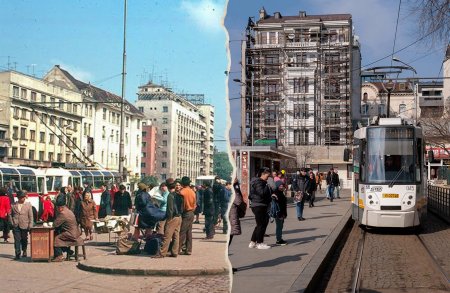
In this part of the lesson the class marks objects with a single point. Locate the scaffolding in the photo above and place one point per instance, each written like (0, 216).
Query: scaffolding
(298, 80)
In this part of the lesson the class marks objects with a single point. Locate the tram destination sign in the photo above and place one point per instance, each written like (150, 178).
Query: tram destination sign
(391, 133)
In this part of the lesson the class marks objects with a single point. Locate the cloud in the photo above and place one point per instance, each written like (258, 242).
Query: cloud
(206, 14)
(76, 71)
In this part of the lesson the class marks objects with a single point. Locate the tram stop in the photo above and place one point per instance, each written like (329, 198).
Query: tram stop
(249, 159)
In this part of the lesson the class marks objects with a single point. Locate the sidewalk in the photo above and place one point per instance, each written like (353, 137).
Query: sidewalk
(290, 267)
(208, 258)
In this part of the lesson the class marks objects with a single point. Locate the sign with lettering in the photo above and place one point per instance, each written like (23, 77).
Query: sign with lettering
(41, 243)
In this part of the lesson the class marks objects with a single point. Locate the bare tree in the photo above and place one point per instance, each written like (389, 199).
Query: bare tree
(433, 19)
(436, 130)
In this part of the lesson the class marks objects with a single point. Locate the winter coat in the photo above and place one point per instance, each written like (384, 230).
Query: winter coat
(105, 205)
(294, 183)
(235, 222)
(88, 212)
(209, 208)
(311, 186)
(225, 200)
(122, 203)
(66, 224)
(333, 178)
(5, 207)
(282, 203)
(260, 193)
(217, 194)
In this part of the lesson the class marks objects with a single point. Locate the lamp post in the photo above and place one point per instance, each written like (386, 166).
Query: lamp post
(252, 137)
(414, 79)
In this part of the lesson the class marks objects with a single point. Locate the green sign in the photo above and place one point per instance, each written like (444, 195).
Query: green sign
(264, 141)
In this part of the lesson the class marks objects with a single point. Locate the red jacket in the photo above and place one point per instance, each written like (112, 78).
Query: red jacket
(5, 207)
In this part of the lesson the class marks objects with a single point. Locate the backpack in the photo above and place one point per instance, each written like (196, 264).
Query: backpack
(153, 244)
(274, 210)
(125, 246)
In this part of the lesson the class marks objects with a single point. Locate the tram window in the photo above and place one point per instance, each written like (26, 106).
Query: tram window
(40, 184)
(76, 181)
(58, 183)
(109, 179)
(98, 181)
(49, 183)
(69, 181)
(14, 179)
(419, 159)
(29, 183)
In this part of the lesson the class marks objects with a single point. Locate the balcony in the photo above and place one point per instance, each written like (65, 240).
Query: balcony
(431, 101)
(300, 44)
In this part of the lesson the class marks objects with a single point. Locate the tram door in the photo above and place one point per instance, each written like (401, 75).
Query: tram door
(41, 185)
(358, 177)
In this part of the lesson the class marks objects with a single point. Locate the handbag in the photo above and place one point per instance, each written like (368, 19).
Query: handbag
(298, 197)
(241, 209)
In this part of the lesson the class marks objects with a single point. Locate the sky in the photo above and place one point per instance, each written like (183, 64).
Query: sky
(181, 44)
(374, 22)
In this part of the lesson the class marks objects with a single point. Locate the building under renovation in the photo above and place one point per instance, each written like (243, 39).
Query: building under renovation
(302, 81)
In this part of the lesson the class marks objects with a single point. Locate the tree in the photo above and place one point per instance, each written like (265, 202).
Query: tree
(150, 180)
(222, 165)
(436, 130)
(433, 19)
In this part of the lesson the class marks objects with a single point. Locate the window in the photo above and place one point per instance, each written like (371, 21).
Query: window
(22, 153)
(23, 94)
(90, 110)
(33, 116)
(365, 97)
(117, 136)
(61, 122)
(164, 142)
(141, 109)
(50, 156)
(86, 112)
(144, 154)
(61, 105)
(138, 141)
(23, 133)
(164, 165)
(67, 158)
(118, 119)
(144, 133)
(24, 114)
(104, 113)
(301, 111)
(144, 144)
(33, 96)
(41, 156)
(42, 137)
(263, 38)
(113, 117)
(103, 132)
(164, 132)
(15, 132)
(401, 109)
(16, 113)
(126, 138)
(272, 64)
(142, 165)
(59, 157)
(301, 136)
(15, 91)
(60, 140)
(2, 134)
(139, 124)
(75, 109)
(165, 109)
(381, 109)
(32, 135)
(272, 37)
(301, 85)
(164, 154)
(31, 154)
(127, 121)
(165, 120)
(43, 99)
(364, 109)
(51, 138)
(75, 141)
(69, 107)
(52, 102)
(14, 152)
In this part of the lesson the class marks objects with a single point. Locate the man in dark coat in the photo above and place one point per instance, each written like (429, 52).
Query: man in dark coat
(209, 210)
(217, 193)
(105, 202)
(302, 183)
(332, 182)
(122, 202)
(67, 229)
(224, 202)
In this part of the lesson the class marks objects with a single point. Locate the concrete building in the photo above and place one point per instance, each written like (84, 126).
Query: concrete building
(40, 122)
(302, 84)
(101, 124)
(183, 140)
(149, 144)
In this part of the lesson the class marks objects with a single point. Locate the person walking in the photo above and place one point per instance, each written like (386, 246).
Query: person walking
(301, 190)
(280, 199)
(237, 210)
(187, 217)
(332, 182)
(217, 189)
(105, 203)
(311, 189)
(21, 219)
(319, 181)
(122, 202)
(260, 197)
(88, 214)
(5, 211)
(224, 203)
(209, 210)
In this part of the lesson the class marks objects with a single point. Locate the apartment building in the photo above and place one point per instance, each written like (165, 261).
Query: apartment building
(149, 144)
(182, 139)
(100, 138)
(40, 122)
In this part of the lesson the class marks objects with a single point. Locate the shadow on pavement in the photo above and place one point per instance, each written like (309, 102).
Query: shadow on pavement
(298, 241)
(273, 262)
(330, 216)
(298, 230)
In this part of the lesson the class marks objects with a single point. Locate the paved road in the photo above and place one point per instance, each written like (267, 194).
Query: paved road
(276, 269)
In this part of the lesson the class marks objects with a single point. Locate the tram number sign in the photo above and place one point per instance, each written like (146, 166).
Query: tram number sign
(390, 195)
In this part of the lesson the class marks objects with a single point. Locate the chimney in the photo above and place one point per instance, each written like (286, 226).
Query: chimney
(302, 13)
(277, 15)
(262, 13)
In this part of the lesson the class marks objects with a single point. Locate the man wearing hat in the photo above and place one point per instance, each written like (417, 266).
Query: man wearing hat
(187, 218)
(67, 228)
(21, 218)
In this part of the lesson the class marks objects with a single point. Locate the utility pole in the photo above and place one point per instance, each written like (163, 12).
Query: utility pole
(122, 113)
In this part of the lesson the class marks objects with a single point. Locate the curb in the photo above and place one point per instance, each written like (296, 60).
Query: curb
(309, 278)
(152, 272)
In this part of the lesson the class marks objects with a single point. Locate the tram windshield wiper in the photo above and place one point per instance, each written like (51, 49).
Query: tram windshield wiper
(402, 169)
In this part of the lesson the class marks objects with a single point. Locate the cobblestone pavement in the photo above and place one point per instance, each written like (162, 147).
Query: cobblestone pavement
(199, 284)
(394, 261)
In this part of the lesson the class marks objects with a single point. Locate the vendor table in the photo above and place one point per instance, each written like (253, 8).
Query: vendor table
(42, 239)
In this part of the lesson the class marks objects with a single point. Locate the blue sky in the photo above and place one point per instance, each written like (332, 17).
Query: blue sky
(181, 43)
(374, 22)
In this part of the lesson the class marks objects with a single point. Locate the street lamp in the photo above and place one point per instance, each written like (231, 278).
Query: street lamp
(277, 108)
(413, 83)
(252, 137)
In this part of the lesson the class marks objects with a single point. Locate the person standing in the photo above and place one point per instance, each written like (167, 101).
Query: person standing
(199, 203)
(5, 210)
(300, 204)
(173, 221)
(209, 210)
(105, 203)
(311, 189)
(280, 198)
(319, 181)
(217, 189)
(187, 217)
(237, 211)
(260, 197)
(224, 202)
(88, 214)
(122, 202)
(161, 198)
(21, 218)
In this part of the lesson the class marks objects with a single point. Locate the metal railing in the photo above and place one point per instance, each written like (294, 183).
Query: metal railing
(439, 201)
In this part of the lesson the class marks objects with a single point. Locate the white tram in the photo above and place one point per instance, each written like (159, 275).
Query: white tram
(388, 178)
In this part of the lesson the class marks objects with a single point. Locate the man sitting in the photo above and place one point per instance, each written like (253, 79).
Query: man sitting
(67, 229)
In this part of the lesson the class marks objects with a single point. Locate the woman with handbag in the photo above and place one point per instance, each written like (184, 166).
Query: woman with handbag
(311, 189)
(237, 211)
